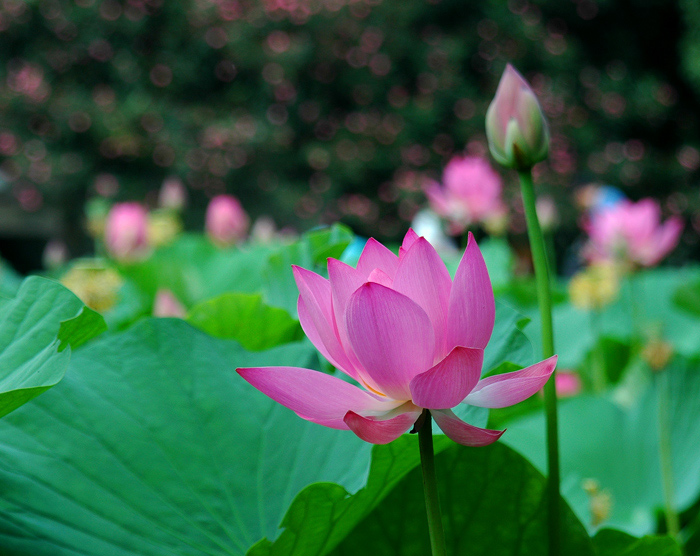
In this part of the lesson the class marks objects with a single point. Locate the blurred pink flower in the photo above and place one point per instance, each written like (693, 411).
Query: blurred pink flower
(470, 193)
(632, 232)
(547, 213)
(167, 305)
(126, 231)
(226, 221)
(515, 125)
(55, 254)
(172, 194)
(568, 384)
(410, 336)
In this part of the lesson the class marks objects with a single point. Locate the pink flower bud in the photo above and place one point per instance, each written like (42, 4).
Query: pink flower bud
(55, 254)
(515, 126)
(167, 305)
(226, 221)
(126, 235)
(172, 194)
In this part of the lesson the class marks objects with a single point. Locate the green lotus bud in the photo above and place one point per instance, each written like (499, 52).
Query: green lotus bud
(515, 126)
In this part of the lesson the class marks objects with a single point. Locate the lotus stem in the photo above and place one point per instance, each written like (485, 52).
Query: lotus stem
(600, 380)
(672, 522)
(544, 298)
(432, 502)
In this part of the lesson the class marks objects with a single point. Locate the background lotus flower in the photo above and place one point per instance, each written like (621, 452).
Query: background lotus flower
(126, 231)
(172, 194)
(515, 126)
(226, 221)
(632, 232)
(410, 336)
(470, 193)
(167, 305)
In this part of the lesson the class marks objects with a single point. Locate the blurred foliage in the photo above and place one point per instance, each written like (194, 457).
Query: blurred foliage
(319, 110)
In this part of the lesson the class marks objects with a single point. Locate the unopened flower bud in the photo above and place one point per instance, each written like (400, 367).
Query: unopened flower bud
(515, 126)
(226, 221)
(126, 231)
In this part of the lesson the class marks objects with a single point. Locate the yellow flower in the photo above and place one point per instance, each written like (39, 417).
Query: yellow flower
(163, 227)
(96, 285)
(657, 353)
(595, 287)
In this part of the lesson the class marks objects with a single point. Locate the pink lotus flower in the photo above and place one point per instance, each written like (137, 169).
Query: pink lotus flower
(410, 336)
(126, 231)
(167, 305)
(515, 126)
(632, 232)
(471, 193)
(226, 221)
(568, 384)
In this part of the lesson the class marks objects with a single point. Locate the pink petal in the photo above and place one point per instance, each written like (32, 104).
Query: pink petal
(375, 255)
(408, 240)
(319, 335)
(380, 431)
(666, 240)
(391, 336)
(344, 281)
(448, 382)
(472, 309)
(423, 277)
(438, 199)
(314, 396)
(461, 432)
(511, 388)
(380, 277)
(316, 318)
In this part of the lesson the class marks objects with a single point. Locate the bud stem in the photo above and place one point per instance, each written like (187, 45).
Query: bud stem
(665, 453)
(539, 259)
(432, 502)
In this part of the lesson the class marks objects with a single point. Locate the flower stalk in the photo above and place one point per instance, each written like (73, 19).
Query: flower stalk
(432, 501)
(539, 258)
(672, 521)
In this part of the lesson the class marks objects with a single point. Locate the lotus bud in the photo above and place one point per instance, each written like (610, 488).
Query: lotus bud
(172, 194)
(226, 221)
(167, 305)
(126, 231)
(515, 126)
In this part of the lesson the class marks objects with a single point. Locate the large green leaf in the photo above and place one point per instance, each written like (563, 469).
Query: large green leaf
(246, 319)
(609, 542)
(687, 297)
(153, 445)
(508, 343)
(36, 327)
(493, 503)
(614, 440)
(323, 514)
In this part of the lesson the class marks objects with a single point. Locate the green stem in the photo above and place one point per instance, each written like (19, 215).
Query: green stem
(600, 380)
(672, 522)
(539, 259)
(636, 314)
(551, 256)
(432, 502)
